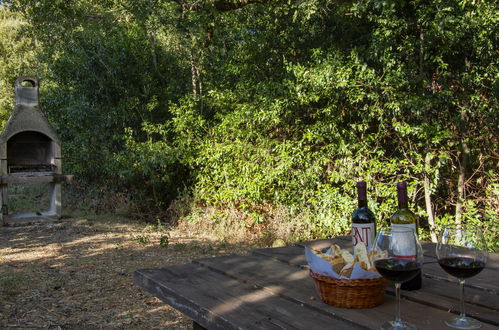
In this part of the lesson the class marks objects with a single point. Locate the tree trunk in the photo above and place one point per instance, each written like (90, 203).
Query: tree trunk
(194, 77)
(197, 85)
(461, 181)
(153, 42)
(427, 197)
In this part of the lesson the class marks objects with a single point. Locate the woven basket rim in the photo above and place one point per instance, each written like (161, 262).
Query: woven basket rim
(348, 282)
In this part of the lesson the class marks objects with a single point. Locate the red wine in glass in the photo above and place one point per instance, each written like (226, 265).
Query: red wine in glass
(462, 267)
(392, 262)
(397, 270)
(462, 253)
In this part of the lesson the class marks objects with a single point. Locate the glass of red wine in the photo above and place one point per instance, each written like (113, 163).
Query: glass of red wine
(398, 259)
(462, 252)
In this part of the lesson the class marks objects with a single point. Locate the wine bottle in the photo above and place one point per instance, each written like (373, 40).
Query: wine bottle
(405, 218)
(363, 221)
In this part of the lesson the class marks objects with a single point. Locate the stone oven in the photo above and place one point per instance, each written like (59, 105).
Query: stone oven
(30, 152)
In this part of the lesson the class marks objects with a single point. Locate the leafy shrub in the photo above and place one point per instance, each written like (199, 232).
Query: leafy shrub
(278, 106)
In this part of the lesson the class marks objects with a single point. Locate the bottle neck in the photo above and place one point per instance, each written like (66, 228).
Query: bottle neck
(361, 194)
(403, 202)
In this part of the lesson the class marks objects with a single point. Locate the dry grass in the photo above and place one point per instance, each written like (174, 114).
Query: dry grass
(234, 225)
(77, 273)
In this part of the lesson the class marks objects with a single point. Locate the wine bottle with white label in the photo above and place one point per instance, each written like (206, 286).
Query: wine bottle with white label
(405, 218)
(363, 221)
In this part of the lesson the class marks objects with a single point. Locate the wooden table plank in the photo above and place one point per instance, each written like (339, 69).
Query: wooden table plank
(293, 255)
(434, 294)
(272, 290)
(281, 279)
(486, 280)
(439, 291)
(451, 290)
(215, 301)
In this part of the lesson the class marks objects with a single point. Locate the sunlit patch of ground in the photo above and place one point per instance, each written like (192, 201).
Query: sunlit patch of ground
(78, 273)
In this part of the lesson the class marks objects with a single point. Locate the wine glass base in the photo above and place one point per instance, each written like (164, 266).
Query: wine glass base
(463, 323)
(393, 325)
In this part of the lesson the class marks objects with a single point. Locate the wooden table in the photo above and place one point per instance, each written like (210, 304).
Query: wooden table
(272, 289)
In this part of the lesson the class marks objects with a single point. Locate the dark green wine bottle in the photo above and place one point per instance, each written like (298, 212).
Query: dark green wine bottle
(363, 220)
(405, 218)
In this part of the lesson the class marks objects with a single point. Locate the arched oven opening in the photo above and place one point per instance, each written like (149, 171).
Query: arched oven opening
(30, 153)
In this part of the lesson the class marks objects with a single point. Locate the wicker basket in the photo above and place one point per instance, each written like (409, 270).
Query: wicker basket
(350, 293)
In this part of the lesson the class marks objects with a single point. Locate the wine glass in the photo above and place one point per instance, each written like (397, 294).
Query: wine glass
(398, 258)
(462, 252)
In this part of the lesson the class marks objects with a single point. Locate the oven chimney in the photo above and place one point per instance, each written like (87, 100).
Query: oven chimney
(26, 95)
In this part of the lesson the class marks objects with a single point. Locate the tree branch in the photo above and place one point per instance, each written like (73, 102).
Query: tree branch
(220, 5)
(228, 5)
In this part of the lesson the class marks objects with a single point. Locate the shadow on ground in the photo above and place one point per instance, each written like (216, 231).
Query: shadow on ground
(78, 273)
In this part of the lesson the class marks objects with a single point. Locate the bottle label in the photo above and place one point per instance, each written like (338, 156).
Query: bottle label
(405, 247)
(363, 233)
(408, 225)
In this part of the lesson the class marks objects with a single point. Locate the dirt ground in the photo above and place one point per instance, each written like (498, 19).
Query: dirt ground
(77, 273)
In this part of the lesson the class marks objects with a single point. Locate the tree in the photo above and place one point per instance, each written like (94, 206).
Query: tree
(17, 58)
(279, 103)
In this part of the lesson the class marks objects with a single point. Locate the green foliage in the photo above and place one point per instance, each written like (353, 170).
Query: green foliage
(141, 239)
(152, 170)
(384, 109)
(103, 76)
(164, 241)
(158, 227)
(276, 104)
(17, 58)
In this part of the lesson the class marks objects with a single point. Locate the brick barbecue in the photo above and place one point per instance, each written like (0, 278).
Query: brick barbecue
(30, 152)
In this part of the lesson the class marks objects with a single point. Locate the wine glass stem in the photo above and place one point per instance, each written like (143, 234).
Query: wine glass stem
(397, 298)
(461, 295)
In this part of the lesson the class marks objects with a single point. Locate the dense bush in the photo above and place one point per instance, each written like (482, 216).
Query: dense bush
(279, 104)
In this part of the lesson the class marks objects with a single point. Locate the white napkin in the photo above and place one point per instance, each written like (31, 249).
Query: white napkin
(322, 267)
